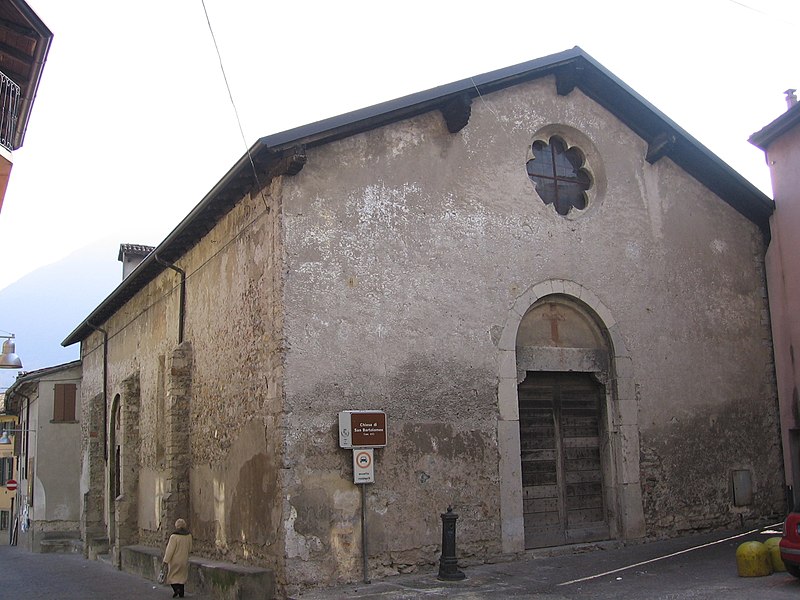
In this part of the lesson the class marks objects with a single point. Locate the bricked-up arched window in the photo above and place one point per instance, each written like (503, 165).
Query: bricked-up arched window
(559, 176)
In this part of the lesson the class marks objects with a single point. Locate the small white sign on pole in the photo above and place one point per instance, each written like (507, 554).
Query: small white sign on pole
(363, 465)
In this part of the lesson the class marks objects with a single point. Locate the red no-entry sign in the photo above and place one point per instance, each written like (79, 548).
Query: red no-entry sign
(11, 485)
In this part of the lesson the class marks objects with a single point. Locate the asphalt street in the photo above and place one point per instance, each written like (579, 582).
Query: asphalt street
(694, 567)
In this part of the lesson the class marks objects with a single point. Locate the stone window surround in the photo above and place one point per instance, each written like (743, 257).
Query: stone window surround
(622, 411)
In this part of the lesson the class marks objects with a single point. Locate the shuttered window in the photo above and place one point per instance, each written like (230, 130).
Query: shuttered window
(64, 403)
(6, 469)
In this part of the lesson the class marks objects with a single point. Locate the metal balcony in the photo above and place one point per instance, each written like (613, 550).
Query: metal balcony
(9, 106)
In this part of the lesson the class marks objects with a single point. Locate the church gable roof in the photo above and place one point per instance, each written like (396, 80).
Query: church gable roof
(572, 68)
(284, 153)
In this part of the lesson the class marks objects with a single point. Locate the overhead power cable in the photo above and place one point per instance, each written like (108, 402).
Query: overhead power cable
(233, 103)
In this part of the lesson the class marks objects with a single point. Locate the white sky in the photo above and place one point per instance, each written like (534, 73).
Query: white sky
(133, 124)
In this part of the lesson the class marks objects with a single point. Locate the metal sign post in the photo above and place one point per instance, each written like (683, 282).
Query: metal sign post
(364, 553)
(363, 431)
(364, 473)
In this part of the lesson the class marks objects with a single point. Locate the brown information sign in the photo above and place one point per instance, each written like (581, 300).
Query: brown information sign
(362, 428)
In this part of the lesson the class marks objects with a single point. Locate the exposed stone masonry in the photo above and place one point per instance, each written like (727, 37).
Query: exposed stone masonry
(126, 504)
(175, 504)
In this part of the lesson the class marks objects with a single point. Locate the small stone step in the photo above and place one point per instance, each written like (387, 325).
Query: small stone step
(97, 546)
(65, 545)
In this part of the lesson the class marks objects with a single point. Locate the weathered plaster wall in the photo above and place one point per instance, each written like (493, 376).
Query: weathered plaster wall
(407, 246)
(57, 446)
(235, 326)
(226, 380)
(48, 487)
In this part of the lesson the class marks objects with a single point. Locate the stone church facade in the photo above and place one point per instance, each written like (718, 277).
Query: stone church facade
(556, 295)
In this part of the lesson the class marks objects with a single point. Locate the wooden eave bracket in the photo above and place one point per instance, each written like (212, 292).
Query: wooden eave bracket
(660, 146)
(457, 112)
(568, 77)
(291, 162)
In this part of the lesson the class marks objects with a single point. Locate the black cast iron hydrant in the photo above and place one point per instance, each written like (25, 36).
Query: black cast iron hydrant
(448, 563)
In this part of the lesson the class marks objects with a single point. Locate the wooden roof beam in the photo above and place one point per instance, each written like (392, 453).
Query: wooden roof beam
(16, 53)
(660, 146)
(18, 29)
(568, 77)
(457, 112)
(291, 162)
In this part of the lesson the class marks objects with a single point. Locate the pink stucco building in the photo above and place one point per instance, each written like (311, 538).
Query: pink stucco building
(780, 140)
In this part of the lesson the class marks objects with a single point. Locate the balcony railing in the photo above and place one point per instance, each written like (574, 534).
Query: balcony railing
(9, 105)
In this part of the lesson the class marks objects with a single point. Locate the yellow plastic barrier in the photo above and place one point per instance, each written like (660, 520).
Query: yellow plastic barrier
(775, 554)
(753, 560)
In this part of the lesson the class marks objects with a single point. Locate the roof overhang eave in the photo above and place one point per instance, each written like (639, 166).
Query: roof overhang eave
(39, 59)
(768, 134)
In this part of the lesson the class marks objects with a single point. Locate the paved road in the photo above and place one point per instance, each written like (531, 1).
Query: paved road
(27, 575)
(696, 567)
(691, 568)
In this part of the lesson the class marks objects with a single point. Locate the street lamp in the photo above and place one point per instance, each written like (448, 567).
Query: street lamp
(9, 358)
(5, 440)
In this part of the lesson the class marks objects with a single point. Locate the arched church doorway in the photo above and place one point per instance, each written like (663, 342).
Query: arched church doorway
(562, 360)
(560, 327)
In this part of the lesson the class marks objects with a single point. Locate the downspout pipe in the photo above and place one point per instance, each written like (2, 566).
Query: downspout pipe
(182, 299)
(105, 389)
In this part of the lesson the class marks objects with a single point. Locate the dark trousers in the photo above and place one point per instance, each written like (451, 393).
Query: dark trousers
(178, 589)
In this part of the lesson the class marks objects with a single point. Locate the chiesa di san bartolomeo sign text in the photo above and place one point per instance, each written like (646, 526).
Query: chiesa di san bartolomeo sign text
(362, 431)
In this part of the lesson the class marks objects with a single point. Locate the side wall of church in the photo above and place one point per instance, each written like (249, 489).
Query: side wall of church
(406, 248)
(209, 427)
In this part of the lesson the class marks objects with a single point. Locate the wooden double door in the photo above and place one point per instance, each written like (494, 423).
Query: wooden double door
(560, 419)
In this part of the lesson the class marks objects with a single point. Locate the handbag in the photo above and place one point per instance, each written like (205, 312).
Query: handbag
(162, 574)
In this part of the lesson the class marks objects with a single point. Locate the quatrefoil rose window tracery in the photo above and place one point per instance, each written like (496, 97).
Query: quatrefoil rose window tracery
(557, 171)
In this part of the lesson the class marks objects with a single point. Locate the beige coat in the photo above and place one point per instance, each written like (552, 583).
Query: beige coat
(177, 557)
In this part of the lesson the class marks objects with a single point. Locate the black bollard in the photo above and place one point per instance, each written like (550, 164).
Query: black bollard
(448, 563)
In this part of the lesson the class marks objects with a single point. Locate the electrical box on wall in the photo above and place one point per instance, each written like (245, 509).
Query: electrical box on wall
(742, 488)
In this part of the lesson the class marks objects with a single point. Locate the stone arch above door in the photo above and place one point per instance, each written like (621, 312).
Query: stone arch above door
(623, 423)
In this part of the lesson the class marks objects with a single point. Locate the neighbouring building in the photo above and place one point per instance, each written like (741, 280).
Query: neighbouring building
(8, 476)
(780, 140)
(47, 447)
(24, 43)
(554, 292)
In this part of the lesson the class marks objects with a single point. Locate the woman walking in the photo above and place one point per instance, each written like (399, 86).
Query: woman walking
(176, 557)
